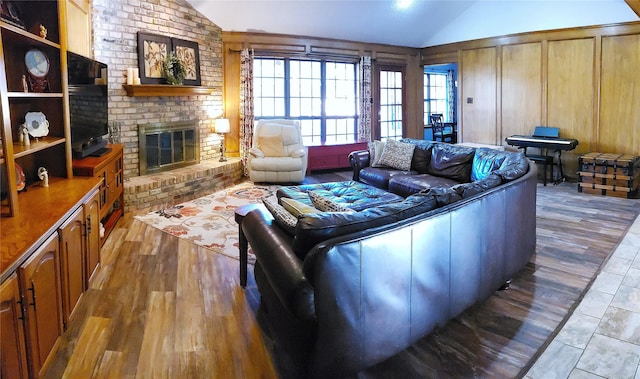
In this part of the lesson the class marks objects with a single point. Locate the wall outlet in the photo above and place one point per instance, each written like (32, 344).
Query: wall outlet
(469, 100)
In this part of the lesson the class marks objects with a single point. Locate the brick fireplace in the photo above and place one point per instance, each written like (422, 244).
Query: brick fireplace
(115, 27)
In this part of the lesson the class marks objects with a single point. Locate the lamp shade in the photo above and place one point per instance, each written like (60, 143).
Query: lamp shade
(222, 125)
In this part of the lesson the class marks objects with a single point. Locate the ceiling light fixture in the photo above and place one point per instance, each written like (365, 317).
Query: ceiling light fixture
(403, 4)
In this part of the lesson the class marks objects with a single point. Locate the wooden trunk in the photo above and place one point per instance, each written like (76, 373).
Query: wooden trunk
(609, 174)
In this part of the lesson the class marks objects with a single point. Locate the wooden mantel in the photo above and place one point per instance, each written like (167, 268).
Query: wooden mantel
(166, 90)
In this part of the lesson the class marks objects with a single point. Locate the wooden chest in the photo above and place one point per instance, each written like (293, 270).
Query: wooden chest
(609, 174)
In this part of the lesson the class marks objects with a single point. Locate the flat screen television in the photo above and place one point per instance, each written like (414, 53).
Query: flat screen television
(88, 106)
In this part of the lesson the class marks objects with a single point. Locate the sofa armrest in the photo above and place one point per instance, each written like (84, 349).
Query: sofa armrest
(272, 248)
(358, 160)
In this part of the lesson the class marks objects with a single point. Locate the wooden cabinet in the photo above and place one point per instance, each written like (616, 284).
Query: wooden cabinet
(92, 235)
(52, 151)
(109, 169)
(72, 261)
(40, 287)
(14, 354)
(79, 26)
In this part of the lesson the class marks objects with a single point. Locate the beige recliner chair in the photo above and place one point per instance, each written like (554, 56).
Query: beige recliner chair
(277, 154)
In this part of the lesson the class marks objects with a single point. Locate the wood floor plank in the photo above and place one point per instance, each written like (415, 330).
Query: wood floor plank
(156, 352)
(89, 348)
(110, 365)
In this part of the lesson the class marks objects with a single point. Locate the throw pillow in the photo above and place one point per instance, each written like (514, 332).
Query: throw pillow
(271, 146)
(283, 218)
(296, 207)
(397, 155)
(325, 204)
(375, 147)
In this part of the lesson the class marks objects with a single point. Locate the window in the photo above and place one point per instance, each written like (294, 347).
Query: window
(391, 95)
(321, 94)
(435, 95)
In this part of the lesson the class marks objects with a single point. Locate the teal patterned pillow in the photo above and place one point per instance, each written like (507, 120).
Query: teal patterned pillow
(397, 155)
(325, 204)
(285, 219)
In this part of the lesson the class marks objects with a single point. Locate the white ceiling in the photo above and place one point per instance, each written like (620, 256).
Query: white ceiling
(424, 23)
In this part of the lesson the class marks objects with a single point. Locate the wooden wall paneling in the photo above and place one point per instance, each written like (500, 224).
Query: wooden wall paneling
(620, 95)
(521, 85)
(571, 98)
(478, 73)
(231, 98)
(634, 5)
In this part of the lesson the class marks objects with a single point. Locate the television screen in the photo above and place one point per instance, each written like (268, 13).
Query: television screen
(88, 101)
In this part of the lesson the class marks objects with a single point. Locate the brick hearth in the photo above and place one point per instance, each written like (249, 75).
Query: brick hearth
(154, 191)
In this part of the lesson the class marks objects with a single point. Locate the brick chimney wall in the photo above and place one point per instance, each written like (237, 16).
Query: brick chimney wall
(115, 27)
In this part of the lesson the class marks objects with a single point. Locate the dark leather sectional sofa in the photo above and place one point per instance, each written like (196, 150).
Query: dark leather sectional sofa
(355, 288)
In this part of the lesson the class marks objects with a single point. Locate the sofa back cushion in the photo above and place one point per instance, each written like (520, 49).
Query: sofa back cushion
(485, 161)
(421, 159)
(514, 166)
(317, 227)
(450, 161)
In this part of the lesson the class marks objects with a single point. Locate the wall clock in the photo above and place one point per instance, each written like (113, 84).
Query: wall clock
(37, 64)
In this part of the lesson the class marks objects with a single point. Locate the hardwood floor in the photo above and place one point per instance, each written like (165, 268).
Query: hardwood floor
(161, 307)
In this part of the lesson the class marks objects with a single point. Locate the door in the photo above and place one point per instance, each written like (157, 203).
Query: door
(40, 286)
(13, 356)
(72, 262)
(390, 103)
(92, 239)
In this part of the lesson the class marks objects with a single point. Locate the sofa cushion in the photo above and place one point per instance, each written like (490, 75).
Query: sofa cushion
(397, 155)
(325, 204)
(452, 162)
(285, 219)
(485, 161)
(296, 207)
(469, 189)
(314, 228)
(380, 176)
(421, 159)
(375, 149)
(406, 185)
(271, 146)
(514, 166)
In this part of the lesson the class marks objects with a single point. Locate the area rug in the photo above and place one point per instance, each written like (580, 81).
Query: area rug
(209, 221)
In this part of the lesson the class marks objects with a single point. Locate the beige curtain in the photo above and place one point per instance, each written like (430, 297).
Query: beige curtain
(364, 119)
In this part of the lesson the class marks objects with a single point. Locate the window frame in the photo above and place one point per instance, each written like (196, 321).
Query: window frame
(312, 138)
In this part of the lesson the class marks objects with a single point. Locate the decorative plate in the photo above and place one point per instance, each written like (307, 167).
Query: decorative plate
(37, 124)
(20, 179)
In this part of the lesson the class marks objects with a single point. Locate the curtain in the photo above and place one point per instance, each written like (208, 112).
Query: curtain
(246, 106)
(451, 93)
(364, 121)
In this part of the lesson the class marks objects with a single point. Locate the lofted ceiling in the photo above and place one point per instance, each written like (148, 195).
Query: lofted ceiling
(424, 23)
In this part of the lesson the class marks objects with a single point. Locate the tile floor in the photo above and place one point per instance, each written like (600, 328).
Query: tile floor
(602, 337)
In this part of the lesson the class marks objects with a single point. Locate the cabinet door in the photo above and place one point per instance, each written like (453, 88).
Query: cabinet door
(13, 363)
(79, 26)
(40, 284)
(92, 220)
(72, 261)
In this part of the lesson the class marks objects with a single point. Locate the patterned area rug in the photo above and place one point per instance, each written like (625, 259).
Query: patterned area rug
(209, 221)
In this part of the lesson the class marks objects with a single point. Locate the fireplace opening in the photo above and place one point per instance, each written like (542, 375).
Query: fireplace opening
(166, 146)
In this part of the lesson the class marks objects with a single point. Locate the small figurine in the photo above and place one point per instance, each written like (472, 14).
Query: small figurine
(44, 176)
(25, 86)
(43, 31)
(25, 132)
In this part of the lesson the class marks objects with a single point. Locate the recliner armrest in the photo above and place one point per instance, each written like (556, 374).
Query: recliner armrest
(358, 160)
(256, 153)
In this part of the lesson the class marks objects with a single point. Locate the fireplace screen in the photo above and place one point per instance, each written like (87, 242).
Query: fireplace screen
(167, 146)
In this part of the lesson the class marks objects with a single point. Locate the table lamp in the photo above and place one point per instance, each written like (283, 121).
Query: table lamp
(222, 126)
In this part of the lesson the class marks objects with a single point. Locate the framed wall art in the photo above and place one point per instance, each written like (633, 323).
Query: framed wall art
(188, 53)
(152, 52)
